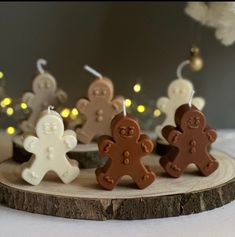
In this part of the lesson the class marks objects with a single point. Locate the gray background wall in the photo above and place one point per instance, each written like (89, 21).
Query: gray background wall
(128, 42)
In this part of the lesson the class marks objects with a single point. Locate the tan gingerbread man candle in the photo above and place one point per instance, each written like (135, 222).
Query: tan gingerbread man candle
(98, 109)
(125, 149)
(45, 93)
(189, 142)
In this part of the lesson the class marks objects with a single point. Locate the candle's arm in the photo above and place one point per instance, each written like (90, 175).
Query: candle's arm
(117, 103)
(198, 102)
(211, 134)
(69, 141)
(105, 144)
(162, 103)
(146, 144)
(31, 144)
(28, 98)
(171, 135)
(82, 105)
(61, 96)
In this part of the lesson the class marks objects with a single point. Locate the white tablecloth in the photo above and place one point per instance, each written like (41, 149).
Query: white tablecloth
(218, 222)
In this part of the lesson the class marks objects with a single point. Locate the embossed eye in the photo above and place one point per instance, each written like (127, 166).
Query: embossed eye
(104, 92)
(54, 127)
(123, 131)
(96, 92)
(41, 85)
(175, 90)
(47, 84)
(131, 130)
(46, 126)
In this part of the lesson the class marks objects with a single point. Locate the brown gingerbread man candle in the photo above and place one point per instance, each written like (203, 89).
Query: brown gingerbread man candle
(98, 109)
(189, 142)
(125, 149)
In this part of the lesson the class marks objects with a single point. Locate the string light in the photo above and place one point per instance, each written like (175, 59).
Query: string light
(137, 88)
(128, 102)
(157, 112)
(65, 113)
(23, 105)
(1, 75)
(6, 101)
(10, 130)
(10, 111)
(140, 108)
(74, 112)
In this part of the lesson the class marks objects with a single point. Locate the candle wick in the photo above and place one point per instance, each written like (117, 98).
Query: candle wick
(40, 63)
(50, 107)
(93, 71)
(124, 108)
(191, 98)
(180, 68)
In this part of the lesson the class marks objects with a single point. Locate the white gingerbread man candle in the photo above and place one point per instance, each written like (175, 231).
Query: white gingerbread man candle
(45, 93)
(49, 148)
(179, 92)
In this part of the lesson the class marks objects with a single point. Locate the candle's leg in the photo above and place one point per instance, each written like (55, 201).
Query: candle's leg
(174, 166)
(67, 170)
(35, 173)
(207, 165)
(86, 133)
(142, 176)
(108, 177)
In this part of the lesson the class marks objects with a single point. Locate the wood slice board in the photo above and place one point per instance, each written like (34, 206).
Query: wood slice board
(87, 155)
(84, 199)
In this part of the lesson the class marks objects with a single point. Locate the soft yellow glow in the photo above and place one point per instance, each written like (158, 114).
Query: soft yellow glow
(157, 112)
(65, 113)
(6, 101)
(1, 75)
(140, 108)
(74, 112)
(9, 111)
(23, 105)
(137, 88)
(128, 102)
(10, 130)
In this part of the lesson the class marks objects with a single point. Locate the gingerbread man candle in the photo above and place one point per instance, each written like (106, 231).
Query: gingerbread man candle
(49, 148)
(45, 93)
(179, 92)
(189, 142)
(98, 109)
(125, 149)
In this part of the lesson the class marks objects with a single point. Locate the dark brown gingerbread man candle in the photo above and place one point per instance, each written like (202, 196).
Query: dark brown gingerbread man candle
(189, 142)
(124, 149)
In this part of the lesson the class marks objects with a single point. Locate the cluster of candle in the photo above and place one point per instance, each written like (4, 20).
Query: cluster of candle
(185, 130)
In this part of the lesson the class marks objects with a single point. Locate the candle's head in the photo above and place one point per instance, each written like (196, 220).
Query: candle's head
(189, 118)
(101, 89)
(125, 128)
(43, 83)
(180, 88)
(50, 125)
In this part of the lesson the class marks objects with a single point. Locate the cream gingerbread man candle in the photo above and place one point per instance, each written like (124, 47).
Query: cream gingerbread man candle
(179, 92)
(44, 93)
(49, 148)
(99, 108)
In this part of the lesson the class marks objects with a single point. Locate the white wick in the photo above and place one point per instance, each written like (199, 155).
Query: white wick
(191, 98)
(92, 71)
(124, 108)
(50, 107)
(41, 62)
(180, 68)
